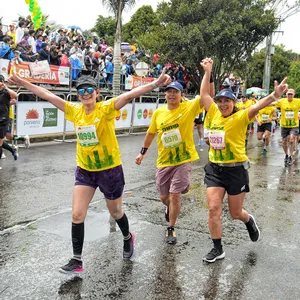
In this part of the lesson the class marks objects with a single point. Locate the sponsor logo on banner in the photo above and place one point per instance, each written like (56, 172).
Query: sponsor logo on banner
(32, 118)
(50, 117)
(150, 113)
(139, 113)
(145, 113)
(124, 114)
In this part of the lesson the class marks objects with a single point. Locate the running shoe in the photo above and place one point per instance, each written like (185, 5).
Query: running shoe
(167, 214)
(290, 160)
(214, 254)
(252, 228)
(171, 236)
(74, 266)
(15, 153)
(128, 248)
(27, 141)
(264, 151)
(3, 156)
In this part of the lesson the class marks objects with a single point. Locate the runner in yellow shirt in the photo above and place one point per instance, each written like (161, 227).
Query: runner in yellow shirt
(289, 123)
(98, 155)
(264, 120)
(173, 124)
(244, 104)
(228, 162)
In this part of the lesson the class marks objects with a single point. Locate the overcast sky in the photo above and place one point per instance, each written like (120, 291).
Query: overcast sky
(84, 14)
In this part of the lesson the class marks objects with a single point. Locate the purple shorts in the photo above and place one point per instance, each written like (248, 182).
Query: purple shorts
(175, 180)
(110, 182)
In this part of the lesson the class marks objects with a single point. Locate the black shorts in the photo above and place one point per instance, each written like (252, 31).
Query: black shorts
(234, 180)
(200, 119)
(264, 126)
(3, 130)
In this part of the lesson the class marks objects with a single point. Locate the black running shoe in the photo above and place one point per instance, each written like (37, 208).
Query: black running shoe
(128, 248)
(171, 236)
(290, 160)
(214, 255)
(74, 266)
(15, 153)
(253, 230)
(167, 214)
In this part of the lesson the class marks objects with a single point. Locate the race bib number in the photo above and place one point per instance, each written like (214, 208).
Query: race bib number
(87, 136)
(264, 117)
(217, 139)
(289, 115)
(171, 138)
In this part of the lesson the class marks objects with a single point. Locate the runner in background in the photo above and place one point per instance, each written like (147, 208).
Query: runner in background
(6, 95)
(199, 124)
(289, 123)
(264, 120)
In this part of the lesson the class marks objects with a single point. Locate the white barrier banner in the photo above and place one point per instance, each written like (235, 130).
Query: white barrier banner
(124, 119)
(38, 118)
(143, 113)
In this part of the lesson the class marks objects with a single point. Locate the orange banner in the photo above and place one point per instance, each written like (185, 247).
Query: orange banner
(57, 75)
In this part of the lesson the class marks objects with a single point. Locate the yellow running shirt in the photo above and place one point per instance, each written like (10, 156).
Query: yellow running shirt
(245, 105)
(175, 133)
(227, 135)
(289, 112)
(265, 114)
(97, 146)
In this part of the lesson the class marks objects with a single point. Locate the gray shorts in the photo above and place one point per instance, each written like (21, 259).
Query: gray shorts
(288, 131)
(175, 180)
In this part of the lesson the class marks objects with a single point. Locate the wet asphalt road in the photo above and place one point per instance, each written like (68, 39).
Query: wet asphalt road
(35, 238)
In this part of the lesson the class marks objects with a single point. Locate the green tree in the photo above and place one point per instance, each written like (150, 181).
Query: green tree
(280, 66)
(105, 27)
(227, 30)
(117, 7)
(142, 22)
(294, 77)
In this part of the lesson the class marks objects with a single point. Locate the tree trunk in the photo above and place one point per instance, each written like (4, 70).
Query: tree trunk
(117, 53)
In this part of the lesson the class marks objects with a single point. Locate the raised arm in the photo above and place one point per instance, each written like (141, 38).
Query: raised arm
(279, 89)
(205, 89)
(38, 91)
(125, 98)
(147, 142)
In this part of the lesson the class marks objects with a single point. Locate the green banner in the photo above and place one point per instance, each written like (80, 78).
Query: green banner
(50, 117)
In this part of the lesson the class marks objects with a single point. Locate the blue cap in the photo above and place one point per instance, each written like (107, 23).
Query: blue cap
(225, 93)
(175, 85)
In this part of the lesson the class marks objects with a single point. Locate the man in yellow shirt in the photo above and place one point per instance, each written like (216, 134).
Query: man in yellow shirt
(98, 156)
(289, 123)
(264, 120)
(173, 123)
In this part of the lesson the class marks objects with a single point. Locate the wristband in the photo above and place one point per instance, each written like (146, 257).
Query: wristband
(144, 150)
(211, 79)
(273, 96)
(153, 84)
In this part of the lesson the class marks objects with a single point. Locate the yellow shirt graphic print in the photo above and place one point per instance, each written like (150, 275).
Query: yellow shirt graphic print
(97, 146)
(175, 133)
(289, 112)
(227, 135)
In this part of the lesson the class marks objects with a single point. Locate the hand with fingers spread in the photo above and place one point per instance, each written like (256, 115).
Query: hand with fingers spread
(164, 79)
(279, 89)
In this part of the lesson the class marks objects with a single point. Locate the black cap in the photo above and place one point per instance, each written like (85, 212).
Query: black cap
(86, 80)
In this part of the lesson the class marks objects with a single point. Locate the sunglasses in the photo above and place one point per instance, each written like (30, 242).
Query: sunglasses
(89, 90)
(290, 94)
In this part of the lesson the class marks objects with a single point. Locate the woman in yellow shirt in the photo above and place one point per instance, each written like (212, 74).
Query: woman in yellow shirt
(228, 162)
(98, 155)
